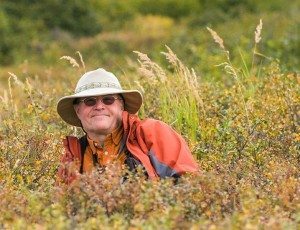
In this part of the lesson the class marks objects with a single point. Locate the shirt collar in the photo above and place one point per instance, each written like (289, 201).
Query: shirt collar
(112, 138)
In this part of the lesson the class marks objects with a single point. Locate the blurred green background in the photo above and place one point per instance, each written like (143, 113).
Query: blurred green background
(107, 31)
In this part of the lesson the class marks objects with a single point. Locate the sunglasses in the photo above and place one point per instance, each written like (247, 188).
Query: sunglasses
(106, 100)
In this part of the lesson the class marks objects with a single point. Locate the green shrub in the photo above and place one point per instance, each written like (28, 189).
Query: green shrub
(242, 126)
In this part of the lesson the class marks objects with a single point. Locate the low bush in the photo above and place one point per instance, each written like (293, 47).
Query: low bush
(243, 129)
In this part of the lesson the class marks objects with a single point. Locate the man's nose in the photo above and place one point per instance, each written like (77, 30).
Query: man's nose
(99, 104)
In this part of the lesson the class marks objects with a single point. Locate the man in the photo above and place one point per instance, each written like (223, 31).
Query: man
(115, 134)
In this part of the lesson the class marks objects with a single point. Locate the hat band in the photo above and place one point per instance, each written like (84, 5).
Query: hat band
(94, 85)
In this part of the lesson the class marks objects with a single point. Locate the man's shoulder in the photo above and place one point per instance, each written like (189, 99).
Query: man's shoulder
(153, 124)
(73, 146)
(71, 137)
(147, 124)
(72, 142)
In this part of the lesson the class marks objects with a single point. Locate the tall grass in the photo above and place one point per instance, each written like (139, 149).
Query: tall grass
(244, 133)
(174, 96)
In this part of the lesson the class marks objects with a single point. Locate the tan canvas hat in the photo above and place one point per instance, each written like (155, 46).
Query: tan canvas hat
(96, 83)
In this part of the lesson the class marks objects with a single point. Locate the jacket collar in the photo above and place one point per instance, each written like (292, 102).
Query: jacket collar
(128, 122)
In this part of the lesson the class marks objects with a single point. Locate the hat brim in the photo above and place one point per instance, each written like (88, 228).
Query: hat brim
(65, 108)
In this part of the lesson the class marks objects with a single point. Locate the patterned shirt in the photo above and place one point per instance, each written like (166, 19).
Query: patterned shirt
(106, 153)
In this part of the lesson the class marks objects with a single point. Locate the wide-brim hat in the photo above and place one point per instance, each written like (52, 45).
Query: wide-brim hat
(96, 83)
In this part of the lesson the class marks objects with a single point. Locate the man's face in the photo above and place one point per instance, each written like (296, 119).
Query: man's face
(98, 118)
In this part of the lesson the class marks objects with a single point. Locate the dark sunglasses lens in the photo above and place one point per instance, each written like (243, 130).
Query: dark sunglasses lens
(108, 100)
(91, 101)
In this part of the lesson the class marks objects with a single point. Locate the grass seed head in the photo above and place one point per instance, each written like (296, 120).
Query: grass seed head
(72, 61)
(216, 37)
(258, 32)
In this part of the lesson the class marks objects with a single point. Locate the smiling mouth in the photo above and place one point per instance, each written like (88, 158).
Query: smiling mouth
(100, 115)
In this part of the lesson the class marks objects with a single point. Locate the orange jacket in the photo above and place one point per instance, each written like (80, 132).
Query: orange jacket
(161, 150)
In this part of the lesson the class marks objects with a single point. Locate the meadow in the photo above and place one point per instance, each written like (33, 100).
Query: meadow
(237, 107)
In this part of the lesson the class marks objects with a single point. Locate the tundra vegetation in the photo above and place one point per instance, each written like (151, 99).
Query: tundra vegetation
(225, 75)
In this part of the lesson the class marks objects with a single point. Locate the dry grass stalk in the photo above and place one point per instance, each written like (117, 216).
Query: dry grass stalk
(177, 64)
(16, 80)
(140, 86)
(5, 99)
(257, 39)
(81, 60)
(10, 95)
(72, 61)
(258, 32)
(190, 77)
(229, 68)
(29, 89)
(216, 38)
(172, 58)
(179, 67)
(8, 98)
(149, 68)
